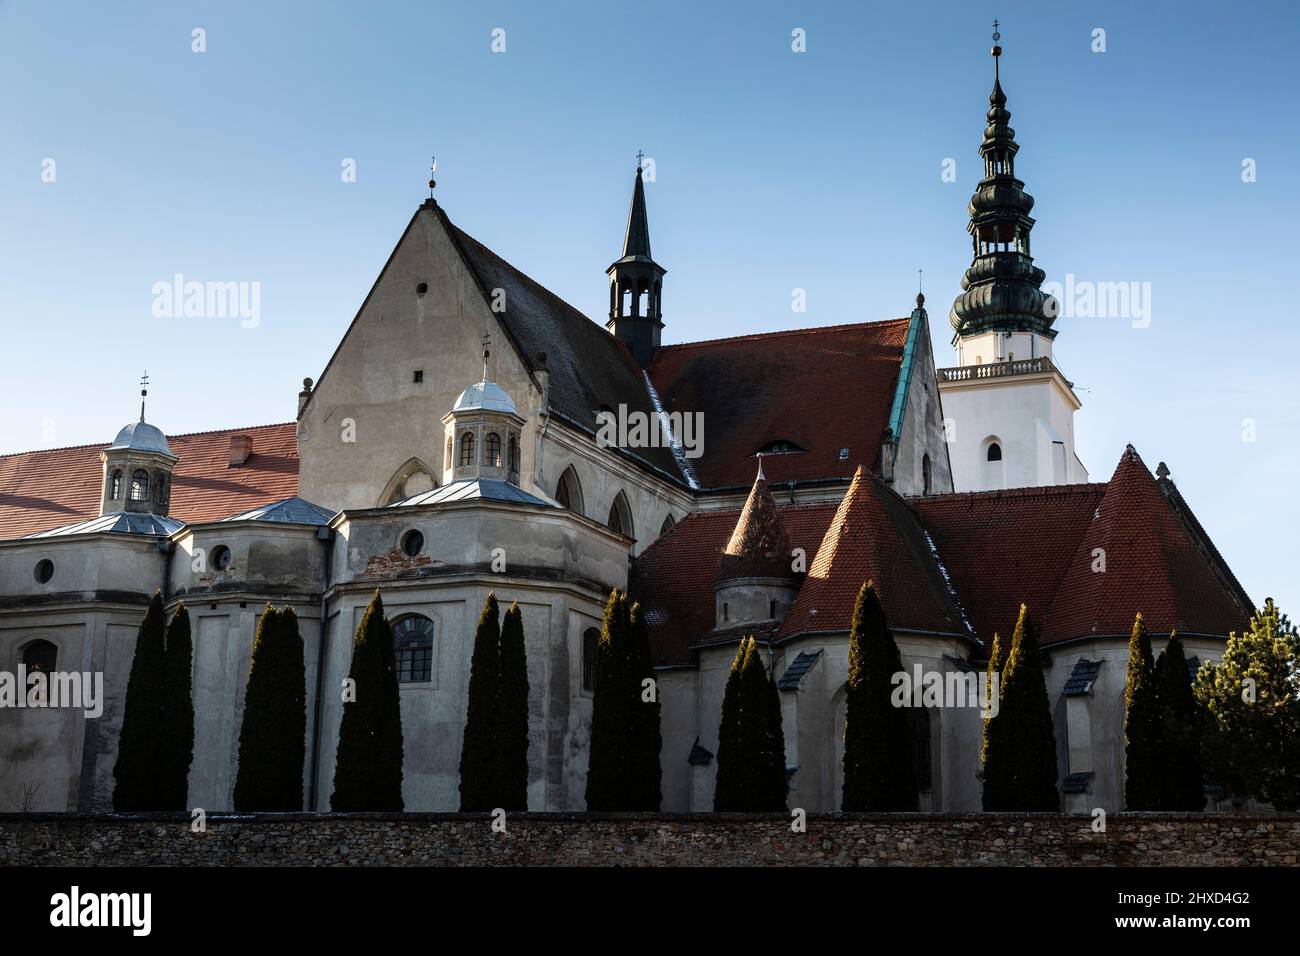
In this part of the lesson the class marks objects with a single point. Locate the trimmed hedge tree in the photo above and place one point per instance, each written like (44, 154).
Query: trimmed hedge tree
(751, 746)
(1143, 747)
(610, 762)
(510, 789)
(141, 747)
(478, 756)
(1182, 787)
(178, 731)
(368, 765)
(1020, 762)
(879, 748)
(997, 657)
(273, 736)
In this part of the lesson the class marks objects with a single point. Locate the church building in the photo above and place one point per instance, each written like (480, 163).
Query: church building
(454, 446)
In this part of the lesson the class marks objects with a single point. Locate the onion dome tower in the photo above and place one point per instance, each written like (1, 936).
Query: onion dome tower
(138, 468)
(756, 581)
(633, 275)
(483, 433)
(1002, 285)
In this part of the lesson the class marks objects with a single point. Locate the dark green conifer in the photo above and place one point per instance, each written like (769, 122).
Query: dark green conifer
(178, 731)
(479, 758)
(648, 740)
(511, 737)
(610, 766)
(142, 748)
(1143, 746)
(273, 735)
(1181, 782)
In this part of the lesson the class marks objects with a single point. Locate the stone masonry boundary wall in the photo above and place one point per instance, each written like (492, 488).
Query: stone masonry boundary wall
(596, 839)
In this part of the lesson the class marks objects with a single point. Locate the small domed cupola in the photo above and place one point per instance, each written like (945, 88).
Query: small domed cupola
(483, 434)
(756, 581)
(138, 468)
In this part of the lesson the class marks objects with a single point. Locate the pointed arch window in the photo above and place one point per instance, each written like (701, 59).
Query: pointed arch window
(590, 645)
(620, 516)
(994, 452)
(40, 656)
(513, 455)
(467, 449)
(115, 485)
(140, 485)
(925, 474)
(668, 524)
(569, 491)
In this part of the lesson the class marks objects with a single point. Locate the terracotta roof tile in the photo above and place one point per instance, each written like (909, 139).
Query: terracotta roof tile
(758, 389)
(45, 489)
(874, 537)
(673, 577)
(759, 545)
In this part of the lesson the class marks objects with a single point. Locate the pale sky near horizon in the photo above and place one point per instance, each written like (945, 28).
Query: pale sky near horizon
(775, 170)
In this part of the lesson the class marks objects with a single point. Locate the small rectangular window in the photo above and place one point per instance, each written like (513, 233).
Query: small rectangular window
(419, 376)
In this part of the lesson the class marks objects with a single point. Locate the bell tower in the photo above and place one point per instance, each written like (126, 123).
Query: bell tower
(636, 283)
(1012, 408)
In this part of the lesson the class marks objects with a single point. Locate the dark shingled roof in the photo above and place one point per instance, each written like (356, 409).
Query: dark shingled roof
(800, 666)
(1081, 678)
(589, 368)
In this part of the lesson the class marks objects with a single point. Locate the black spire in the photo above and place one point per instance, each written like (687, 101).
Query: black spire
(1002, 284)
(633, 276)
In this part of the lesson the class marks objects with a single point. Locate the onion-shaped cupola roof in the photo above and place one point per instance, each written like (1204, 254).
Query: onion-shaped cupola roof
(1002, 286)
(759, 545)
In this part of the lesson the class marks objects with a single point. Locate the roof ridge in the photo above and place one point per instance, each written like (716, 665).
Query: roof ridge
(1029, 491)
(767, 335)
(101, 444)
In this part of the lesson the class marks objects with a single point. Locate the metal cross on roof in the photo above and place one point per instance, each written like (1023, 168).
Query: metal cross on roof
(144, 390)
(640, 157)
(433, 167)
(996, 36)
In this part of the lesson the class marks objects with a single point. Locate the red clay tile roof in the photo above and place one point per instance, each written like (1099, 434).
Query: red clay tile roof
(874, 537)
(822, 389)
(673, 577)
(1152, 566)
(46, 489)
(759, 546)
(1005, 548)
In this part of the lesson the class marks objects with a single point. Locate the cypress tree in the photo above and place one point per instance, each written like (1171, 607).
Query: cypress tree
(997, 657)
(1020, 764)
(141, 747)
(728, 785)
(1143, 750)
(368, 764)
(879, 768)
(510, 789)
(1179, 724)
(178, 729)
(610, 762)
(479, 760)
(273, 736)
(772, 788)
(648, 773)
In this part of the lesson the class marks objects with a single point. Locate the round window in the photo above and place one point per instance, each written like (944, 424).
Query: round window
(44, 570)
(221, 557)
(412, 543)
(422, 288)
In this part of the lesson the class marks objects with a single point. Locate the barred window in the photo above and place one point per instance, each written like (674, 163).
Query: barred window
(140, 486)
(493, 456)
(413, 649)
(467, 449)
(115, 485)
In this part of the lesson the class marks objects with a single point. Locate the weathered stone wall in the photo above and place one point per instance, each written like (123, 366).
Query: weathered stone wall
(1146, 839)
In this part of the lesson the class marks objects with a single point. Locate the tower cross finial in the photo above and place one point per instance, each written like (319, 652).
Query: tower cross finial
(144, 391)
(640, 158)
(487, 342)
(433, 167)
(996, 51)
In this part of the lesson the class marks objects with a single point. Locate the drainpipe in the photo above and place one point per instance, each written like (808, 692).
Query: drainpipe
(325, 535)
(165, 547)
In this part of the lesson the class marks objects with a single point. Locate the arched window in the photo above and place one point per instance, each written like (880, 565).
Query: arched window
(115, 485)
(667, 525)
(492, 450)
(467, 449)
(160, 489)
(994, 452)
(413, 649)
(925, 474)
(140, 486)
(921, 732)
(513, 458)
(620, 516)
(590, 646)
(569, 491)
(40, 656)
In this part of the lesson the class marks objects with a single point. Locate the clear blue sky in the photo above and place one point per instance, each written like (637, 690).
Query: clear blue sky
(775, 170)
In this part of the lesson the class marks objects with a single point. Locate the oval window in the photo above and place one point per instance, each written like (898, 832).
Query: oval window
(221, 557)
(412, 543)
(44, 570)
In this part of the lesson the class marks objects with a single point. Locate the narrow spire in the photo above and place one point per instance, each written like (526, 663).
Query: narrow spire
(760, 468)
(144, 392)
(487, 342)
(433, 168)
(636, 242)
